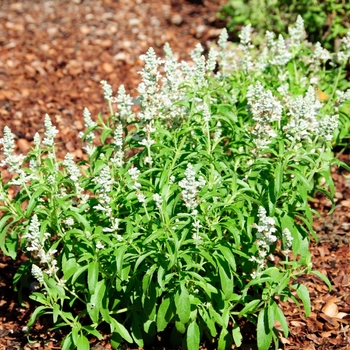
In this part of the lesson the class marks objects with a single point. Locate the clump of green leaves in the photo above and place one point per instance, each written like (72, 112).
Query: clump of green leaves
(190, 214)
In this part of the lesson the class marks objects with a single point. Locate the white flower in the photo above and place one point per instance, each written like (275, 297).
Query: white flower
(107, 90)
(69, 221)
(73, 170)
(12, 161)
(37, 273)
(89, 123)
(158, 200)
(50, 132)
(118, 136)
(99, 245)
(190, 187)
(288, 237)
(140, 197)
(134, 173)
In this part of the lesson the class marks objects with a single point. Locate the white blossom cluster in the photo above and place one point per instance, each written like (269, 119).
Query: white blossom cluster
(134, 174)
(90, 136)
(326, 127)
(303, 123)
(279, 54)
(225, 57)
(319, 56)
(342, 97)
(286, 234)
(343, 54)
(170, 89)
(297, 33)
(264, 109)
(158, 200)
(74, 174)
(265, 237)
(35, 242)
(190, 188)
(199, 69)
(246, 46)
(11, 160)
(118, 157)
(107, 91)
(50, 132)
(149, 86)
(72, 169)
(105, 184)
(124, 105)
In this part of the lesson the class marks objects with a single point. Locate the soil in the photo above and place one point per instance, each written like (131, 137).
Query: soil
(53, 55)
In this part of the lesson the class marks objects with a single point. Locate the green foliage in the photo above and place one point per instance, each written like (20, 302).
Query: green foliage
(325, 21)
(189, 214)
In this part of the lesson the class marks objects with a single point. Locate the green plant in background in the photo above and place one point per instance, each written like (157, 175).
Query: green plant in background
(325, 21)
(191, 214)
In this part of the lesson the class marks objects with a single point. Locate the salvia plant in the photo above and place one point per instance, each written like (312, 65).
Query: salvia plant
(189, 212)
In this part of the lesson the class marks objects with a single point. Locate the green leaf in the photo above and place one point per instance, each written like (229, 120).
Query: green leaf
(165, 313)
(225, 340)
(237, 335)
(55, 289)
(278, 180)
(136, 330)
(193, 336)
(183, 304)
(216, 316)
(323, 278)
(56, 312)
(209, 322)
(67, 343)
(82, 343)
(264, 334)
(95, 304)
(79, 272)
(121, 330)
(250, 308)
(226, 280)
(92, 276)
(93, 331)
(33, 202)
(282, 320)
(116, 339)
(304, 295)
(180, 327)
(40, 310)
(227, 253)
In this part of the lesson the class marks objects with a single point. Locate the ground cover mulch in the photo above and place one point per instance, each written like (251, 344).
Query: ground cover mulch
(53, 55)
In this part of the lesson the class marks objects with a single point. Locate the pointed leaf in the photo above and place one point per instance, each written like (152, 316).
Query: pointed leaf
(193, 336)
